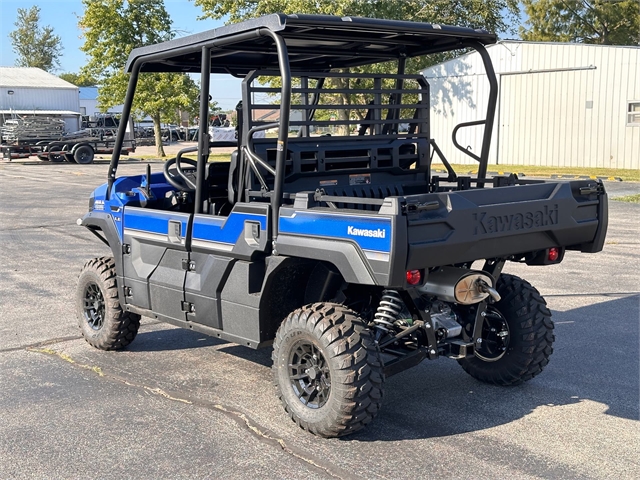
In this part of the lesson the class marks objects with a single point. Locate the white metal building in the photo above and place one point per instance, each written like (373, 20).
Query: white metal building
(32, 91)
(88, 100)
(559, 104)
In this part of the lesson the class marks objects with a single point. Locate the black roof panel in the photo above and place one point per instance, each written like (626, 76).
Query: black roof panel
(314, 42)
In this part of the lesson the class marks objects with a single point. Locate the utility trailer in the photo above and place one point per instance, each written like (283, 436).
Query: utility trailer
(78, 147)
(76, 150)
(332, 242)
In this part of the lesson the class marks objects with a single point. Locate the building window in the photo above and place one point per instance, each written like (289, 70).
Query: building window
(83, 110)
(633, 113)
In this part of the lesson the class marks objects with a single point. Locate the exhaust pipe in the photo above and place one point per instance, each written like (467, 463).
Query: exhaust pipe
(459, 285)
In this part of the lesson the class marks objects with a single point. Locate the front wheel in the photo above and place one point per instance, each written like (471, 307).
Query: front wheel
(517, 336)
(103, 322)
(327, 369)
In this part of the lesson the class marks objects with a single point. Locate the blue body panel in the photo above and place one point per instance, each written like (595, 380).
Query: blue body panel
(124, 193)
(224, 229)
(152, 221)
(368, 231)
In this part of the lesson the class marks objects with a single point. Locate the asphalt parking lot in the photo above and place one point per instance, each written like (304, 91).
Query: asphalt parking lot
(177, 404)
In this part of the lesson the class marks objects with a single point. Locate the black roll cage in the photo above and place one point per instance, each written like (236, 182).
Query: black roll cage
(351, 40)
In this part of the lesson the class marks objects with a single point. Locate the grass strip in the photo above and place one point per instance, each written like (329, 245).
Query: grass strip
(628, 198)
(627, 175)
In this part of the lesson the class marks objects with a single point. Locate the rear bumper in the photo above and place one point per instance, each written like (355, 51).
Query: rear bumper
(499, 222)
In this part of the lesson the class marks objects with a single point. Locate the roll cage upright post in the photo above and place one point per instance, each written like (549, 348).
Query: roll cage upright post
(126, 112)
(203, 134)
(483, 159)
(283, 132)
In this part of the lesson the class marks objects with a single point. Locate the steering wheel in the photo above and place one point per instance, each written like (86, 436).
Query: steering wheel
(176, 176)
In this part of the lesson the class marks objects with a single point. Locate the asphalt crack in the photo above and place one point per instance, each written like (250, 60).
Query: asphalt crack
(243, 420)
(34, 227)
(41, 344)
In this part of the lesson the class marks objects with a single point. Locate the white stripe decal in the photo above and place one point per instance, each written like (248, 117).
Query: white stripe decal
(374, 255)
(146, 235)
(225, 247)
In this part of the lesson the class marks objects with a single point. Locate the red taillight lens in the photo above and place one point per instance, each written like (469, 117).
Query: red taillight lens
(414, 277)
(554, 254)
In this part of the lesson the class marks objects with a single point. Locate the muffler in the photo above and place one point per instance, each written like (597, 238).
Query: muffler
(460, 285)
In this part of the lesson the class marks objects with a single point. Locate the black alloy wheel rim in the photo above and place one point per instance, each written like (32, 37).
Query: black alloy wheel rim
(94, 306)
(83, 156)
(309, 374)
(495, 337)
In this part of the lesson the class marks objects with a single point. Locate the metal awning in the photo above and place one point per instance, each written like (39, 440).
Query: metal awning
(314, 42)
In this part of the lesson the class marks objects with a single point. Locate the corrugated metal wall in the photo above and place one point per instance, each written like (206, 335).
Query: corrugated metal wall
(557, 118)
(42, 99)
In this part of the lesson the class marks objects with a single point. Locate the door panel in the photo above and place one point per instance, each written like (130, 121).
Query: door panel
(166, 285)
(154, 247)
(203, 286)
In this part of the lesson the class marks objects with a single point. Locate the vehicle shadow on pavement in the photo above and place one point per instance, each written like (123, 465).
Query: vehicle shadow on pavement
(595, 359)
(181, 339)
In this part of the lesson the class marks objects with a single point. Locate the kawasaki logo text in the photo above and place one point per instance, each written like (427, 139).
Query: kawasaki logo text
(485, 223)
(363, 232)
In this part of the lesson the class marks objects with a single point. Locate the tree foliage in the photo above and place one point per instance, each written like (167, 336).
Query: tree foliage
(491, 15)
(78, 79)
(111, 29)
(605, 22)
(34, 45)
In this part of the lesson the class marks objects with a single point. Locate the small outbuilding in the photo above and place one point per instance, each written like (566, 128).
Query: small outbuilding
(559, 104)
(32, 91)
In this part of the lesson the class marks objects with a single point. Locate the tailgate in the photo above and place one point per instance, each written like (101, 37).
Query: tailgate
(455, 227)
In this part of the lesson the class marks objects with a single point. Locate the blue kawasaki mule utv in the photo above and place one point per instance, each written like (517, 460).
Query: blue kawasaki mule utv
(325, 234)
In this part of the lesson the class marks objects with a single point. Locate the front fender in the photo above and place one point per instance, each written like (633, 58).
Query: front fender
(104, 222)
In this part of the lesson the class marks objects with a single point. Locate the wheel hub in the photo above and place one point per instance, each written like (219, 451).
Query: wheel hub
(94, 306)
(309, 374)
(494, 342)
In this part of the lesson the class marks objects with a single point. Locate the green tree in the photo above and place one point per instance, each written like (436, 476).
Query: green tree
(78, 79)
(491, 15)
(111, 29)
(34, 45)
(605, 22)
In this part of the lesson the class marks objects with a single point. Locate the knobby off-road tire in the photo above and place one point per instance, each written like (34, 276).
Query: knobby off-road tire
(526, 349)
(327, 369)
(100, 316)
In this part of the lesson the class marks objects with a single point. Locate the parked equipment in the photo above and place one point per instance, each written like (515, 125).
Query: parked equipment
(332, 242)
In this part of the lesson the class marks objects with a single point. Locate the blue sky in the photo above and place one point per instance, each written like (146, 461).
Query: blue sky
(62, 16)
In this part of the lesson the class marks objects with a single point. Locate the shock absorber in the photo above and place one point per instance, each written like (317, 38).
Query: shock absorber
(388, 310)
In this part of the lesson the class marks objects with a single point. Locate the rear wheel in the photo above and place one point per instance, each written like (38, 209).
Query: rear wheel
(83, 154)
(100, 316)
(69, 158)
(327, 369)
(517, 336)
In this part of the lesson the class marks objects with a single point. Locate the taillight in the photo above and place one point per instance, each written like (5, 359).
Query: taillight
(414, 277)
(553, 254)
